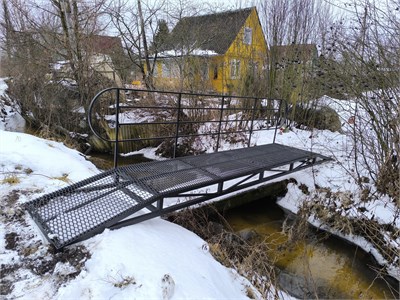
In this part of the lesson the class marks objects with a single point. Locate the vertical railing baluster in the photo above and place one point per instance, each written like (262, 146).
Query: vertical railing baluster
(252, 121)
(220, 122)
(277, 120)
(177, 123)
(116, 146)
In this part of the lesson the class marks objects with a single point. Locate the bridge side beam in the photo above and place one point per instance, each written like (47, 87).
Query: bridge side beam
(202, 197)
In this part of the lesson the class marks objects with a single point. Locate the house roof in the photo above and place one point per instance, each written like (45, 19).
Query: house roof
(212, 32)
(104, 44)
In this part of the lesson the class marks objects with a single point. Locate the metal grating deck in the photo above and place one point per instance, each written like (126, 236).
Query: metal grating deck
(86, 208)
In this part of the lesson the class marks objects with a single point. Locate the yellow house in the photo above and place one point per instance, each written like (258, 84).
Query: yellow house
(213, 52)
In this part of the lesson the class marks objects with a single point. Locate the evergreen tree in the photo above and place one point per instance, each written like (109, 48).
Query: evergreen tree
(160, 37)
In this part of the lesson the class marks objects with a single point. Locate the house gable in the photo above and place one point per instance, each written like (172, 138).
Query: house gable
(250, 40)
(220, 48)
(213, 32)
(246, 56)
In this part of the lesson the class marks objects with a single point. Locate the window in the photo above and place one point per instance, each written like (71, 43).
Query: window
(204, 71)
(169, 69)
(247, 35)
(253, 68)
(235, 68)
(165, 70)
(215, 72)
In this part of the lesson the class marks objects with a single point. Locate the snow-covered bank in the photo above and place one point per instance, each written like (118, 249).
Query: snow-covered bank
(153, 260)
(335, 178)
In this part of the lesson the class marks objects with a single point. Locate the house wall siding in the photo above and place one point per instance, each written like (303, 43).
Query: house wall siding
(249, 54)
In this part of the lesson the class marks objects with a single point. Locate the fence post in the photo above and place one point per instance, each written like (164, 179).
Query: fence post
(177, 123)
(220, 121)
(116, 146)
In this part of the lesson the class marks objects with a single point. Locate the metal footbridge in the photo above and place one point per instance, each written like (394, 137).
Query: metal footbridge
(130, 194)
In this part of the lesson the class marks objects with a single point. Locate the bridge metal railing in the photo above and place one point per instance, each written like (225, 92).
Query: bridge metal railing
(150, 117)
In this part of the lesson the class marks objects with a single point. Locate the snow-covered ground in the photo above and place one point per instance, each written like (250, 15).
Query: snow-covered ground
(151, 260)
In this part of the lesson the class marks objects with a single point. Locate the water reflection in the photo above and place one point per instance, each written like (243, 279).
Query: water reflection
(316, 266)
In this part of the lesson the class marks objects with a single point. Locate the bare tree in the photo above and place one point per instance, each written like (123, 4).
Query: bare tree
(36, 37)
(294, 22)
(289, 23)
(136, 23)
(370, 62)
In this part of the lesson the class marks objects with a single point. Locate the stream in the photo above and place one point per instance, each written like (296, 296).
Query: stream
(319, 266)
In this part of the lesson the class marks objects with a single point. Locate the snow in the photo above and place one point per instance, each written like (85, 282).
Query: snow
(195, 52)
(60, 65)
(42, 157)
(150, 251)
(155, 259)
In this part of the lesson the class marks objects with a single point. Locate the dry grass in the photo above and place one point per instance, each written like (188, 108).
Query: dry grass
(28, 171)
(11, 179)
(249, 258)
(64, 178)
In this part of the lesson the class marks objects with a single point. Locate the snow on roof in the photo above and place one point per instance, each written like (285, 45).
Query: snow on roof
(194, 52)
(214, 31)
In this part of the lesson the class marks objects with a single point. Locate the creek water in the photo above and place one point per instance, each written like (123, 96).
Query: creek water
(105, 161)
(318, 266)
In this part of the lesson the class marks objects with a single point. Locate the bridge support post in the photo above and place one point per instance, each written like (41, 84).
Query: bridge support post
(116, 145)
(220, 187)
(160, 204)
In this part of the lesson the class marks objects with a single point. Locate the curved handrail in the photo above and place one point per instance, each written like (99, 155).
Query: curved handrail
(94, 100)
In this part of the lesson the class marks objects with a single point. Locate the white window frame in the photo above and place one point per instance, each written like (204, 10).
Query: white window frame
(253, 67)
(169, 69)
(235, 68)
(165, 70)
(247, 35)
(204, 71)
